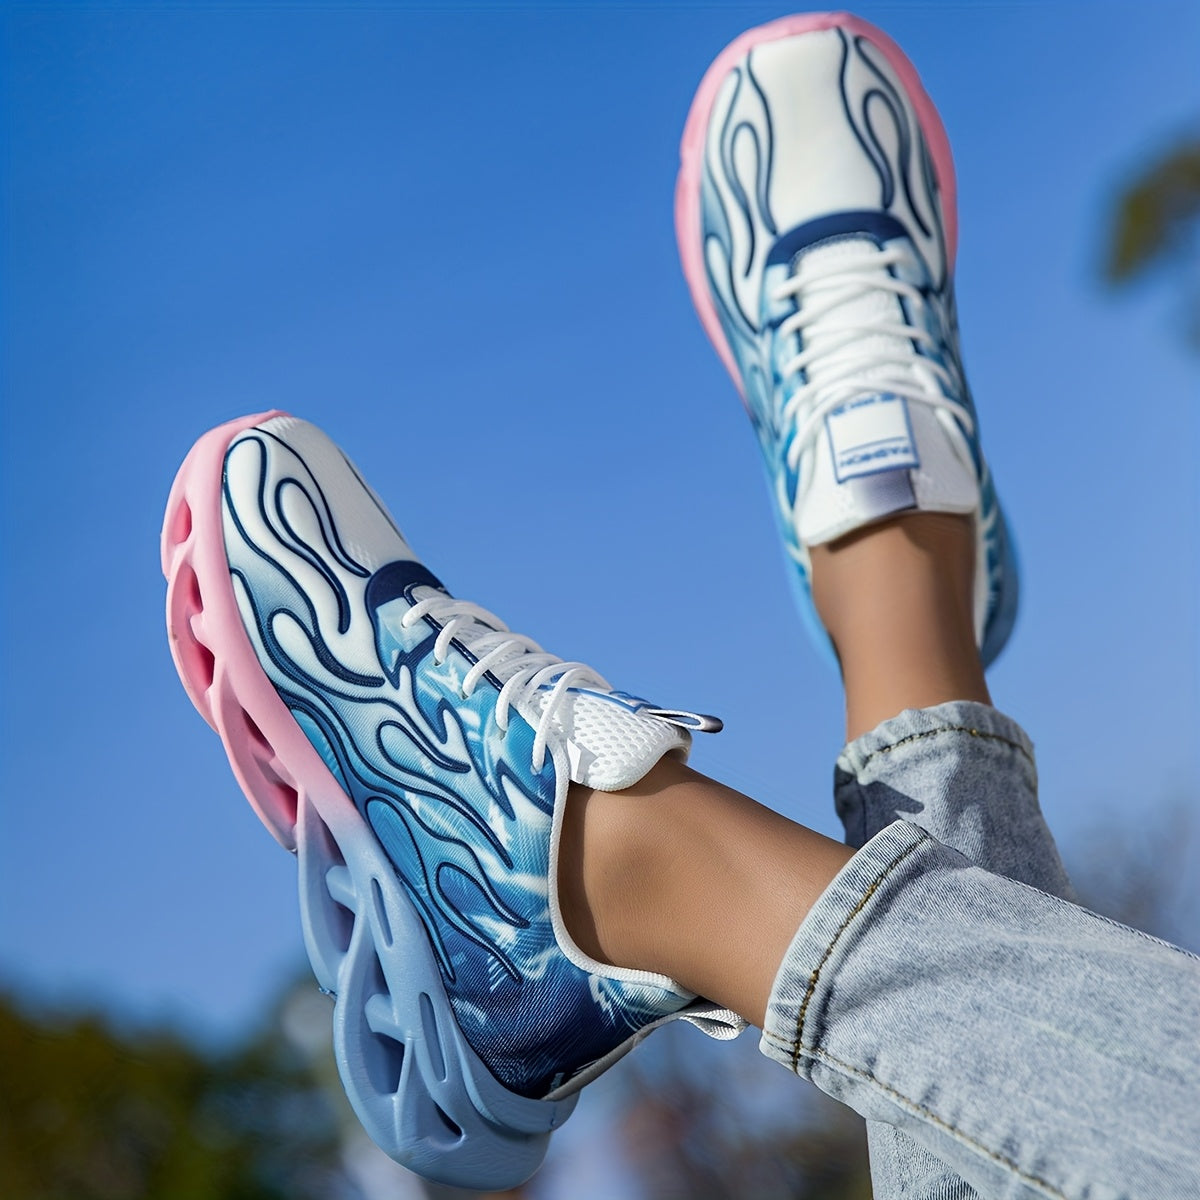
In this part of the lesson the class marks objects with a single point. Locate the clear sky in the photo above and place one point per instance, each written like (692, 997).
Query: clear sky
(444, 232)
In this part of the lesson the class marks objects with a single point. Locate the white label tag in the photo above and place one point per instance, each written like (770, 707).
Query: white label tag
(870, 435)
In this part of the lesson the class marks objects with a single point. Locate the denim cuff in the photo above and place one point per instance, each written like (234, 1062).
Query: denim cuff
(794, 1018)
(964, 773)
(914, 727)
(1034, 1047)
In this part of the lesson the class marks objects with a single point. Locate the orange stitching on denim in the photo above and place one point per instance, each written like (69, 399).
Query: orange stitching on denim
(978, 733)
(798, 1046)
(812, 979)
(932, 1117)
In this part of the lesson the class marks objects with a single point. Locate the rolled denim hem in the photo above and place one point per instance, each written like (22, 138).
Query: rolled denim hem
(965, 774)
(1034, 1048)
(965, 717)
(793, 1017)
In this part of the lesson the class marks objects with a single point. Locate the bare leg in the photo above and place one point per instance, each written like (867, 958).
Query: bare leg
(896, 599)
(683, 875)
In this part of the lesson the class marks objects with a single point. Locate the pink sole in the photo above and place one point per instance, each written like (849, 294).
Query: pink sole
(267, 750)
(458, 1125)
(691, 151)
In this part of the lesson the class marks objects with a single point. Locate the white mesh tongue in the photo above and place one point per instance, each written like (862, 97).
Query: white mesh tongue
(611, 740)
(610, 746)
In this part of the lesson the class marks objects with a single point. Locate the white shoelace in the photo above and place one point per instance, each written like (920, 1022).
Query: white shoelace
(497, 649)
(839, 367)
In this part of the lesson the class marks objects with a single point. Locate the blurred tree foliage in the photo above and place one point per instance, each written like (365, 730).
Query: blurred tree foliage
(1156, 225)
(736, 1127)
(1143, 873)
(90, 1113)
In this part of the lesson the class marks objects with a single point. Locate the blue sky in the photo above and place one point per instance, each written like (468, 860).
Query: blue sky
(444, 232)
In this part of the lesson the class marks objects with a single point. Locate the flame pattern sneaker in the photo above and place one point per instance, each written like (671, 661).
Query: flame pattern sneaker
(815, 211)
(415, 755)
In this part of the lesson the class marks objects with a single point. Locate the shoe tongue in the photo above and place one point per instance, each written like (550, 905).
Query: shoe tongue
(878, 453)
(861, 306)
(612, 739)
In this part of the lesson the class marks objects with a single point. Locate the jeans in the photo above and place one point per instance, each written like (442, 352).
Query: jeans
(974, 770)
(996, 1036)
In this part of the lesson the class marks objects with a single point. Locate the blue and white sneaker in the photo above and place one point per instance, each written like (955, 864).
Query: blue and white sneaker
(815, 212)
(416, 755)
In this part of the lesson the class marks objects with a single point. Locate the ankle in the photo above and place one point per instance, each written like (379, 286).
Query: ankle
(685, 877)
(898, 600)
(592, 866)
(613, 869)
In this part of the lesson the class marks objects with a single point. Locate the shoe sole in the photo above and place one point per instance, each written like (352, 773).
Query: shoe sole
(691, 152)
(414, 1082)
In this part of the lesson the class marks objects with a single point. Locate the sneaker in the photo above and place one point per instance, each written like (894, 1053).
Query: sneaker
(815, 211)
(415, 755)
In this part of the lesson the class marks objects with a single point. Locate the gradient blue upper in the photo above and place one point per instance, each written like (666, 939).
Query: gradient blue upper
(454, 802)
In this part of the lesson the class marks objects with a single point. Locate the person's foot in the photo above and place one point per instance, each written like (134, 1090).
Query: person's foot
(815, 212)
(416, 756)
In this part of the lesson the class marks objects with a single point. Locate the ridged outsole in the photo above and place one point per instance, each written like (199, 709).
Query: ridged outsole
(418, 1087)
